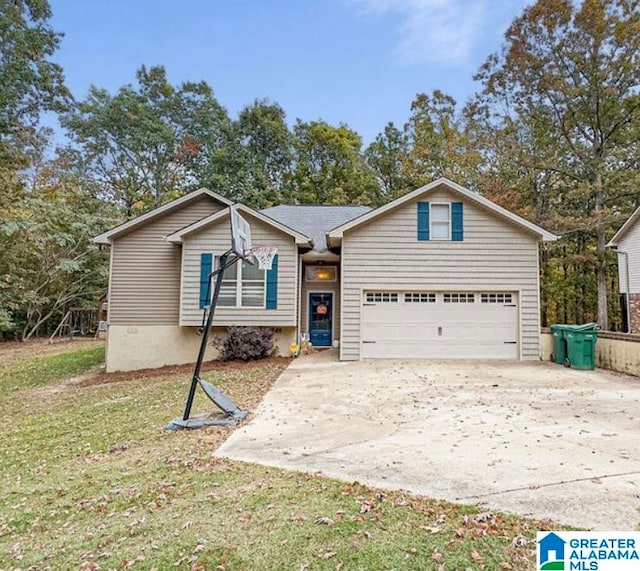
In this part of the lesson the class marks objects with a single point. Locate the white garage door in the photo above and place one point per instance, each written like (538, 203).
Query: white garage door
(440, 325)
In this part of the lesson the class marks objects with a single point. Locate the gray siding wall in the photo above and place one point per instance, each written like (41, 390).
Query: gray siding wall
(630, 244)
(216, 239)
(386, 255)
(313, 287)
(145, 269)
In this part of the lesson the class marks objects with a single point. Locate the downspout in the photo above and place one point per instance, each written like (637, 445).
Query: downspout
(627, 287)
(299, 302)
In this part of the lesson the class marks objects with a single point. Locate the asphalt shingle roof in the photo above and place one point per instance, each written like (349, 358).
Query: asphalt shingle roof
(314, 221)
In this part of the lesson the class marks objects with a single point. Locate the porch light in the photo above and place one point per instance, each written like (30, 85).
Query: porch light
(320, 273)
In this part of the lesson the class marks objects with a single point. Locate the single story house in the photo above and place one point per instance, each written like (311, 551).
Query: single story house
(441, 272)
(626, 241)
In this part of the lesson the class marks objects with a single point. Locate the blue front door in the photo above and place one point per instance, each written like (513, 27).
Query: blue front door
(320, 319)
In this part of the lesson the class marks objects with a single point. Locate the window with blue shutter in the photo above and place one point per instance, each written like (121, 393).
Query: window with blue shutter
(457, 234)
(423, 221)
(272, 285)
(206, 266)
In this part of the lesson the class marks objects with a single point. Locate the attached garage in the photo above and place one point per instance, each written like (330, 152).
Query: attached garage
(440, 325)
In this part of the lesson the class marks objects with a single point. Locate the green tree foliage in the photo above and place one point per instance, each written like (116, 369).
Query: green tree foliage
(569, 73)
(434, 143)
(31, 82)
(150, 143)
(256, 157)
(329, 167)
(438, 143)
(49, 262)
(386, 156)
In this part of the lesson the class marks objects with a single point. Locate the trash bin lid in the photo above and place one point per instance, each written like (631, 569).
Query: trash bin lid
(593, 326)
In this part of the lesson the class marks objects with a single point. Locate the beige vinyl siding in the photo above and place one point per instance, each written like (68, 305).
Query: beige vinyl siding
(630, 244)
(215, 238)
(386, 255)
(145, 271)
(320, 287)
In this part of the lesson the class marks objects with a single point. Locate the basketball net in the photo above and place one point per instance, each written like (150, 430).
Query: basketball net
(263, 255)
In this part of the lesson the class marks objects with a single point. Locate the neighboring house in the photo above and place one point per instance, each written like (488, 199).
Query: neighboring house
(627, 244)
(441, 272)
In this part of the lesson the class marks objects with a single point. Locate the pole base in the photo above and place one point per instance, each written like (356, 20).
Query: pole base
(207, 419)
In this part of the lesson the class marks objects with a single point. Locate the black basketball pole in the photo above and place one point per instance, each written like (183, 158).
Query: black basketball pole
(219, 273)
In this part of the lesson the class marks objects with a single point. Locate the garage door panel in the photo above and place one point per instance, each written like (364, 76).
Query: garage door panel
(468, 330)
(453, 349)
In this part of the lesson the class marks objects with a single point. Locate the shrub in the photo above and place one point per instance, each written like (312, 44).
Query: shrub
(244, 343)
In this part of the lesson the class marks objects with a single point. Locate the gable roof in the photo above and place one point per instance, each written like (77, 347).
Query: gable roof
(617, 237)
(177, 237)
(336, 234)
(108, 236)
(314, 220)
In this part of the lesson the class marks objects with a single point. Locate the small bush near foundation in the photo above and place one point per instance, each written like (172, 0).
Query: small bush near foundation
(245, 343)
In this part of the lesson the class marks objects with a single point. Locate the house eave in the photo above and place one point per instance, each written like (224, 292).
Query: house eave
(617, 237)
(334, 236)
(178, 237)
(110, 235)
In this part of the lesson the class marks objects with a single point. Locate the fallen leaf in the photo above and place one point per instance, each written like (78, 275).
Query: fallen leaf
(506, 565)
(484, 517)
(519, 541)
(477, 558)
(365, 508)
(328, 555)
(324, 521)
(437, 556)
(297, 518)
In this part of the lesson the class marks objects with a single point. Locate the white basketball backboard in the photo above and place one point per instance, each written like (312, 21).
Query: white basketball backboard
(240, 233)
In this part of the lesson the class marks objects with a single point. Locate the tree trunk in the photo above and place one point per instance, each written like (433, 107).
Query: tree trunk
(601, 274)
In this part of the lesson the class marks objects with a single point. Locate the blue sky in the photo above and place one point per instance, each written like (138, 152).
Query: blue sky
(360, 62)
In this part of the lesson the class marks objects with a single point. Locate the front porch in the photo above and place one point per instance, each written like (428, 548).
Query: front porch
(319, 319)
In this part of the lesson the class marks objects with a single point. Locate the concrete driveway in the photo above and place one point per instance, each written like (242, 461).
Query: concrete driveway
(532, 438)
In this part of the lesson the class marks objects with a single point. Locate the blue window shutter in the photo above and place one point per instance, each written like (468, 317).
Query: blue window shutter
(272, 285)
(423, 220)
(206, 265)
(457, 234)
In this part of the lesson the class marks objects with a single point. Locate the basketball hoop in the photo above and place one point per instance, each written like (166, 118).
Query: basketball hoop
(263, 255)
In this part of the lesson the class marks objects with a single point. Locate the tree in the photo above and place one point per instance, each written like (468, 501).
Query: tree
(386, 156)
(255, 158)
(329, 167)
(31, 82)
(571, 72)
(438, 144)
(49, 261)
(150, 143)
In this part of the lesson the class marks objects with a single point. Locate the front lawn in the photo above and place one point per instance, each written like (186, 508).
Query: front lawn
(90, 480)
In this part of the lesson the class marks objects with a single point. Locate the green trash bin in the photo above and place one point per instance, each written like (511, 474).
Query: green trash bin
(581, 345)
(559, 354)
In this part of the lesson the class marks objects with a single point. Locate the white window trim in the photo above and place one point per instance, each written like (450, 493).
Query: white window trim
(431, 235)
(239, 283)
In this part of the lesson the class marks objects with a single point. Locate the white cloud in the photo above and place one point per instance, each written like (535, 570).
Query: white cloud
(440, 31)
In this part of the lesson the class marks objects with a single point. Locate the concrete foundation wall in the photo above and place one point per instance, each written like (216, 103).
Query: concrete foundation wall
(618, 352)
(130, 348)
